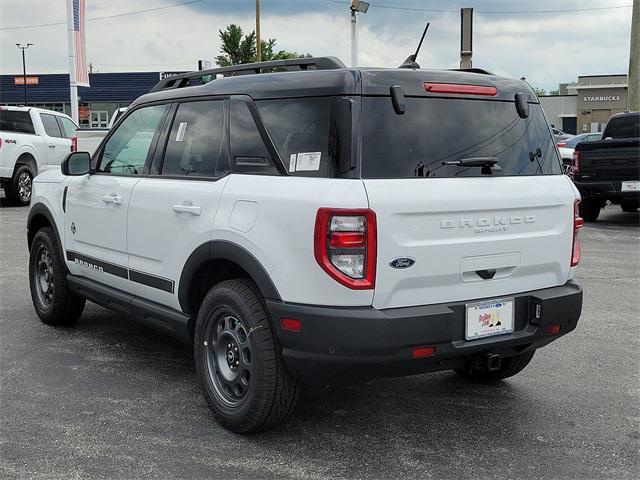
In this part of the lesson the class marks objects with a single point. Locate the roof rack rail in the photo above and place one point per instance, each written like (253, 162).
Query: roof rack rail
(314, 63)
(473, 70)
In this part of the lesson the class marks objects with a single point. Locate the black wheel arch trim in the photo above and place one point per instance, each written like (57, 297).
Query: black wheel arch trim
(224, 250)
(40, 209)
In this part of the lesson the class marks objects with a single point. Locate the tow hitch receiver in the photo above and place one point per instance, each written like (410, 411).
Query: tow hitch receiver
(493, 362)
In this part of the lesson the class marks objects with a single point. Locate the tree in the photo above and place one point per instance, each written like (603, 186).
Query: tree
(539, 91)
(239, 48)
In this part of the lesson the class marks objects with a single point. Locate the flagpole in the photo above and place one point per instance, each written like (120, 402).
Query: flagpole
(72, 61)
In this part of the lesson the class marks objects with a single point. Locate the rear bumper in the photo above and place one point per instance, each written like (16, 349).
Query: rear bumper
(343, 344)
(605, 190)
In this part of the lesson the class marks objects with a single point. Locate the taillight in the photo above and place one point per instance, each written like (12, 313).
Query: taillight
(345, 246)
(575, 162)
(460, 89)
(578, 223)
(561, 144)
(0, 143)
(74, 144)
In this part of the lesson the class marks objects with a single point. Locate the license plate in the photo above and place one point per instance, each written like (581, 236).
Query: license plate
(630, 187)
(488, 318)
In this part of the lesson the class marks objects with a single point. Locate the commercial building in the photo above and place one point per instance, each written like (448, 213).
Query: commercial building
(585, 106)
(108, 92)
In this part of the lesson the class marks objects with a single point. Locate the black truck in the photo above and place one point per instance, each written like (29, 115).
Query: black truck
(609, 169)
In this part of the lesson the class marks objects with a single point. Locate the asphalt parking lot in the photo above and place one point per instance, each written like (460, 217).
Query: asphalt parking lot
(112, 399)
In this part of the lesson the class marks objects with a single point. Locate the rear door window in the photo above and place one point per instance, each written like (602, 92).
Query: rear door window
(16, 121)
(196, 141)
(50, 125)
(433, 131)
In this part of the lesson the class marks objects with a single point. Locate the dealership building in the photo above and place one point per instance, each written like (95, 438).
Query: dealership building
(107, 93)
(586, 105)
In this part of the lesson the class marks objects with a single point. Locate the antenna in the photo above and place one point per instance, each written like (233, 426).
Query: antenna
(410, 62)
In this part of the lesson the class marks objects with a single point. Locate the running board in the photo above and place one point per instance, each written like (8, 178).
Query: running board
(154, 315)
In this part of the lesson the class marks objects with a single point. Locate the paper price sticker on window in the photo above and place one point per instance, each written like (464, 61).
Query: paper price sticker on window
(304, 161)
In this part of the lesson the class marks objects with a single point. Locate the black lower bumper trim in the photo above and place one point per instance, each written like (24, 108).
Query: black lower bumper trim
(356, 343)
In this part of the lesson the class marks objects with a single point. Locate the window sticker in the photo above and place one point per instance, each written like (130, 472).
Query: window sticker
(308, 161)
(292, 162)
(182, 128)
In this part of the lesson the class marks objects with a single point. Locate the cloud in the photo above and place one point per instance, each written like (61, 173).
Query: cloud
(547, 49)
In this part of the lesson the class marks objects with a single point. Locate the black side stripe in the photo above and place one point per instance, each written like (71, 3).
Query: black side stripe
(142, 278)
(151, 281)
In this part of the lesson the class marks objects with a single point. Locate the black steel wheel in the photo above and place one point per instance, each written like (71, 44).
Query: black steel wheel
(54, 303)
(238, 360)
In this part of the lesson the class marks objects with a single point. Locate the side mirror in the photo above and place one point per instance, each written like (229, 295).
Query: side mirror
(76, 164)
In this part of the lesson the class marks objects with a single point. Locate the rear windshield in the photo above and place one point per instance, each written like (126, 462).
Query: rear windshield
(15, 121)
(626, 126)
(437, 130)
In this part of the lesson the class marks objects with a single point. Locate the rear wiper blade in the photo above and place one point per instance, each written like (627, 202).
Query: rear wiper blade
(474, 162)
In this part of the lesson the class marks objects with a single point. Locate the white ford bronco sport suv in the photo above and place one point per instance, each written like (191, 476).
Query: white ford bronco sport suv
(319, 223)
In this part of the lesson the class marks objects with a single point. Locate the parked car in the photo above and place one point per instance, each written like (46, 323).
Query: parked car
(609, 169)
(565, 147)
(300, 226)
(559, 135)
(32, 141)
(88, 139)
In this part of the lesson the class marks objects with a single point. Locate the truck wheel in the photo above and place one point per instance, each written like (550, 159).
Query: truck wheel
(19, 188)
(629, 207)
(238, 360)
(589, 209)
(54, 303)
(509, 367)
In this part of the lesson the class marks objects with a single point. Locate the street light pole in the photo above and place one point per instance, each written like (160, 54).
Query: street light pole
(258, 43)
(357, 6)
(24, 70)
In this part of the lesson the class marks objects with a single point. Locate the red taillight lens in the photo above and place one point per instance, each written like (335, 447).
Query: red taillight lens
(575, 162)
(460, 89)
(345, 246)
(421, 352)
(561, 144)
(578, 223)
(74, 144)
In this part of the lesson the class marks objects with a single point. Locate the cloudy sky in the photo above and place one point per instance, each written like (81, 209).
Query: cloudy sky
(548, 47)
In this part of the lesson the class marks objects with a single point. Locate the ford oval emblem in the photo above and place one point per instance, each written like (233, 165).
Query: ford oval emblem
(402, 262)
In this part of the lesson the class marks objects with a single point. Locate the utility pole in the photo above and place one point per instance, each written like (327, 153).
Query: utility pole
(466, 37)
(24, 70)
(633, 102)
(258, 43)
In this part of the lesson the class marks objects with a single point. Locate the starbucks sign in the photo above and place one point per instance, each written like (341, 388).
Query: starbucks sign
(606, 98)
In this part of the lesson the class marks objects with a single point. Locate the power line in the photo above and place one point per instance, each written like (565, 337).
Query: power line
(135, 12)
(488, 12)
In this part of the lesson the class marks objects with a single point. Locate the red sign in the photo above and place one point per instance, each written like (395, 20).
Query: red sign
(30, 80)
(84, 113)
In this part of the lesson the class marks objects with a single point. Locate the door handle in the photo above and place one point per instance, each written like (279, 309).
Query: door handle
(186, 208)
(52, 146)
(112, 198)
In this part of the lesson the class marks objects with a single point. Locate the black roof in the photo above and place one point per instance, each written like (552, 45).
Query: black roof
(336, 81)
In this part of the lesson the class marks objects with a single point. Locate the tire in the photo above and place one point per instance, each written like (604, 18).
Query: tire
(629, 207)
(509, 367)
(19, 188)
(238, 360)
(54, 303)
(589, 209)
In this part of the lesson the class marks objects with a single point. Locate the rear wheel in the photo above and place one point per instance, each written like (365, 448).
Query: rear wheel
(54, 303)
(629, 207)
(238, 360)
(509, 367)
(18, 189)
(590, 209)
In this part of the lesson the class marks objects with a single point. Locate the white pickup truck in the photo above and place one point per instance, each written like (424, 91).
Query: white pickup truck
(88, 139)
(32, 140)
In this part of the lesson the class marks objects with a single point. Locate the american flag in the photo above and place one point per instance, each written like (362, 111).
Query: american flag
(82, 73)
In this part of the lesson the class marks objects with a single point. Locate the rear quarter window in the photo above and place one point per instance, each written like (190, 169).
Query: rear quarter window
(16, 121)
